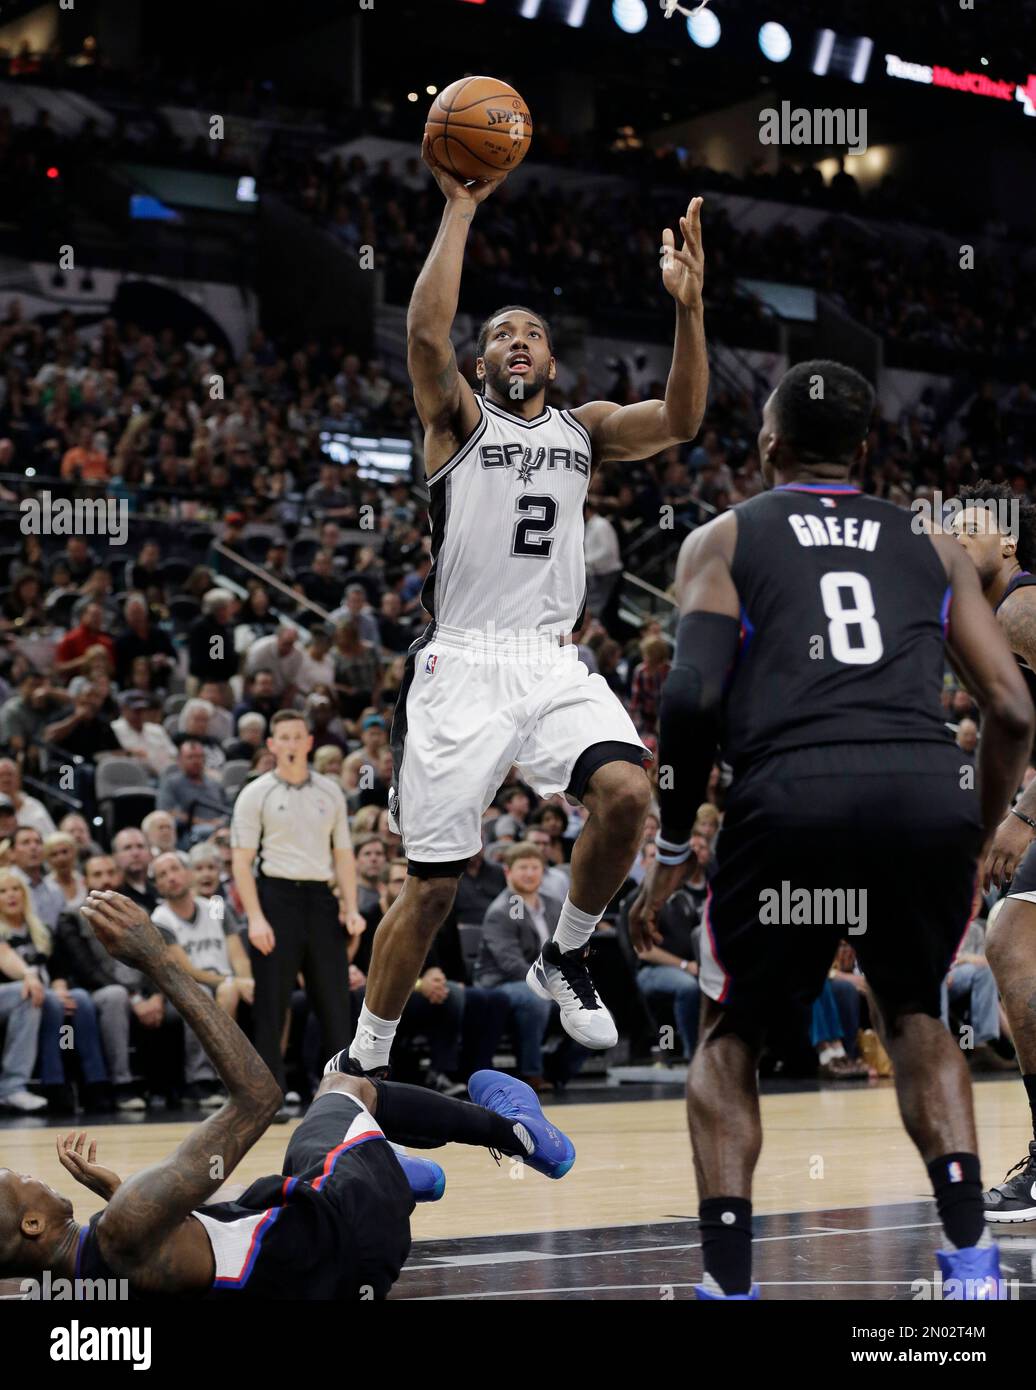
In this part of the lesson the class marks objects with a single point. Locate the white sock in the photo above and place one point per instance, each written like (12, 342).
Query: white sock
(574, 928)
(832, 1050)
(373, 1041)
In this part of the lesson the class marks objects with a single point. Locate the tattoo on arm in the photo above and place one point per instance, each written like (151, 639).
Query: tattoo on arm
(1018, 620)
(446, 377)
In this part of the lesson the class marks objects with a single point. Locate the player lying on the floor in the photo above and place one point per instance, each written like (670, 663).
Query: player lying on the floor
(334, 1224)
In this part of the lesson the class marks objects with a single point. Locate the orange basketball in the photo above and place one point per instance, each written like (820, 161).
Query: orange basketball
(479, 128)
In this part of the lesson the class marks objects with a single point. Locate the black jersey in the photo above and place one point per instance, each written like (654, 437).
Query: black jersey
(267, 1244)
(844, 613)
(1021, 581)
(334, 1225)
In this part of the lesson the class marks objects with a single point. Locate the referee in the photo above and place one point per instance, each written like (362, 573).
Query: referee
(296, 822)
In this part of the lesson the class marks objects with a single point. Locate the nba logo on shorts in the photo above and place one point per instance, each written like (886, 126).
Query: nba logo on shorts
(429, 664)
(955, 1172)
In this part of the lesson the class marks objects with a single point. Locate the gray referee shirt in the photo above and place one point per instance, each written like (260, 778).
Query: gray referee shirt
(294, 828)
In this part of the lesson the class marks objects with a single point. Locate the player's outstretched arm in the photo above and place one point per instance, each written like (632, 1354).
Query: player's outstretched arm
(144, 1231)
(443, 398)
(979, 651)
(639, 430)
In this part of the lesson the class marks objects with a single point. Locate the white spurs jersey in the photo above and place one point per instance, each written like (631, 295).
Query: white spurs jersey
(507, 527)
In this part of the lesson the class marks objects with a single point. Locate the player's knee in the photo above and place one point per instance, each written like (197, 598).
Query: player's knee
(1002, 944)
(434, 896)
(357, 1086)
(629, 799)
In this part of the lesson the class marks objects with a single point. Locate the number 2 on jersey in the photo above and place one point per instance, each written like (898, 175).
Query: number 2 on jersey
(858, 614)
(538, 516)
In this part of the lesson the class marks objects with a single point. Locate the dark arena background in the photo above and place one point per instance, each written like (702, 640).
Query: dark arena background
(214, 506)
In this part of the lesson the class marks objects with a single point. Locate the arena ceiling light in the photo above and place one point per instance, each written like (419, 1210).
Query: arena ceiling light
(775, 41)
(704, 28)
(836, 56)
(630, 15)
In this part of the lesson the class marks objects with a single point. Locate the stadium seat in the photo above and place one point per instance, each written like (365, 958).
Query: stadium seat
(59, 608)
(115, 773)
(183, 610)
(302, 551)
(127, 806)
(254, 548)
(470, 941)
(174, 572)
(235, 774)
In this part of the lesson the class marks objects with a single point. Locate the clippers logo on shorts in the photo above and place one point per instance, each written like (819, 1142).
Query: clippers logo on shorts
(429, 663)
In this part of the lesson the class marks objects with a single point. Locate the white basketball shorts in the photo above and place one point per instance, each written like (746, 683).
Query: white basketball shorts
(463, 718)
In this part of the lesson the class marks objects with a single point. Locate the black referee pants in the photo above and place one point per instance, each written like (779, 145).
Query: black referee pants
(310, 939)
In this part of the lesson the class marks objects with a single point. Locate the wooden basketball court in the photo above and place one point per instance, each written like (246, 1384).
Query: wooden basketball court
(842, 1200)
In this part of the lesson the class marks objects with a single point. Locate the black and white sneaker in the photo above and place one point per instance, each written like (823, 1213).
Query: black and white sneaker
(1015, 1198)
(342, 1062)
(563, 977)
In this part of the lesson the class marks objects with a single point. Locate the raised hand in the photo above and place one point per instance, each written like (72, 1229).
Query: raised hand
(683, 271)
(123, 928)
(86, 1170)
(453, 188)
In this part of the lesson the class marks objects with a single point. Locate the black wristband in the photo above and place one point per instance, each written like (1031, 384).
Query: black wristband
(1022, 816)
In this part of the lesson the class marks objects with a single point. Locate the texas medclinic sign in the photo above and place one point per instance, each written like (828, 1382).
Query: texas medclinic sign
(975, 83)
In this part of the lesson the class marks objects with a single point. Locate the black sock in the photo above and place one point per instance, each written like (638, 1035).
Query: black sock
(424, 1119)
(726, 1241)
(1030, 1091)
(957, 1182)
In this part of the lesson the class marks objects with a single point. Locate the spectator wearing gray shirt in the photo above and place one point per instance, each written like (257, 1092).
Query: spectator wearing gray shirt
(48, 900)
(281, 655)
(192, 798)
(357, 609)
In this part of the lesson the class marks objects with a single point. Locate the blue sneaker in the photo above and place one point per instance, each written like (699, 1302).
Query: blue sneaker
(752, 1296)
(553, 1153)
(975, 1271)
(427, 1180)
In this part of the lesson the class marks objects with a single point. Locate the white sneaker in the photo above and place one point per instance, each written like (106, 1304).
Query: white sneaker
(24, 1101)
(563, 977)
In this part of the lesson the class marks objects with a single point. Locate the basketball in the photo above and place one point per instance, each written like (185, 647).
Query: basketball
(479, 128)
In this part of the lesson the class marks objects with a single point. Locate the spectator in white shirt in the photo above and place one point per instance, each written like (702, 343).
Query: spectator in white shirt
(280, 654)
(147, 742)
(221, 721)
(28, 810)
(602, 558)
(317, 667)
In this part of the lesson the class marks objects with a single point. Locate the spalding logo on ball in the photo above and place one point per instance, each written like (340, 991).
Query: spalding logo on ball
(479, 128)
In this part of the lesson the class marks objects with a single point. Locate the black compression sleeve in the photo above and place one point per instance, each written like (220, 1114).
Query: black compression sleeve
(691, 713)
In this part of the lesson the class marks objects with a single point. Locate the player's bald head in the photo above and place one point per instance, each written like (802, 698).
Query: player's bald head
(32, 1219)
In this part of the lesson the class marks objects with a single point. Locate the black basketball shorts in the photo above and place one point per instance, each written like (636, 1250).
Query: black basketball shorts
(874, 844)
(339, 1149)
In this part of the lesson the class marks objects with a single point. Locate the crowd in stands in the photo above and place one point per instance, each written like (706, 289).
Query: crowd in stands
(137, 690)
(931, 313)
